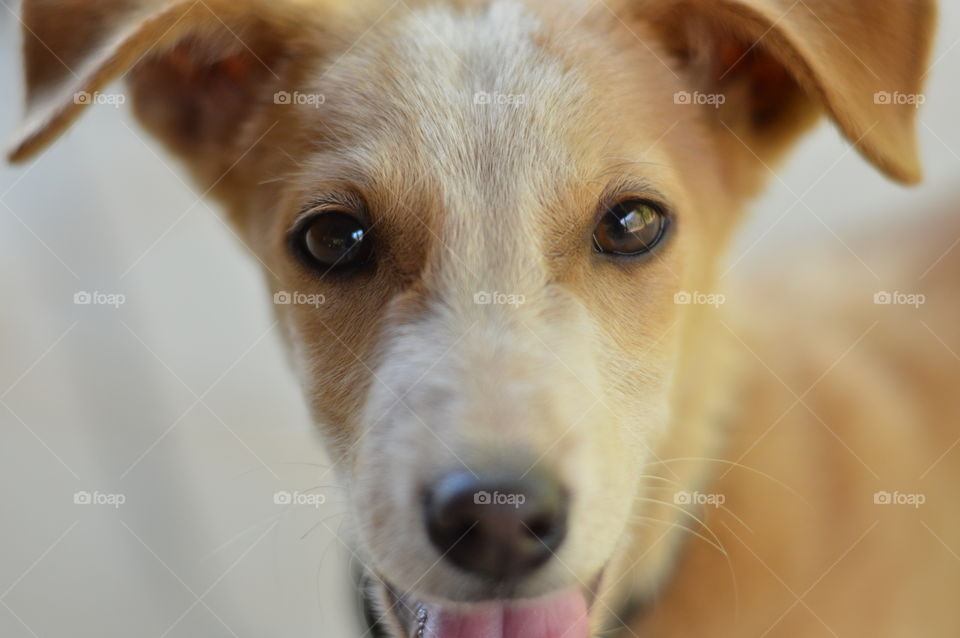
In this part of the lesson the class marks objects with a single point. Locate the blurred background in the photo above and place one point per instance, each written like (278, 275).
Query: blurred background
(144, 440)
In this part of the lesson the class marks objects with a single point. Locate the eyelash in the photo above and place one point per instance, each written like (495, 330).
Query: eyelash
(651, 198)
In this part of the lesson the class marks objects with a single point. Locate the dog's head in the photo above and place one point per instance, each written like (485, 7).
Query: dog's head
(491, 228)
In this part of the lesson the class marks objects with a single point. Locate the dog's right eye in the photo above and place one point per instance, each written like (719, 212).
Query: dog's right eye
(632, 227)
(330, 240)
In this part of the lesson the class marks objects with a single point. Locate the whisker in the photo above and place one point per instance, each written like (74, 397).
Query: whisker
(321, 522)
(735, 464)
(322, 466)
(716, 545)
(236, 536)
(628, 161)
(685, 511)
(719, 506)
(719, 547)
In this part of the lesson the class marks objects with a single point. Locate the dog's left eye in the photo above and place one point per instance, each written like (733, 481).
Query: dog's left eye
(631, 227)
(331, 240)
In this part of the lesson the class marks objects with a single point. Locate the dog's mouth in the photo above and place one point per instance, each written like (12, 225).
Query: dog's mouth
(561, 614)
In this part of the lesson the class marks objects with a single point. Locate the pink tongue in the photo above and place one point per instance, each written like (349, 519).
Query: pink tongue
(560, 615)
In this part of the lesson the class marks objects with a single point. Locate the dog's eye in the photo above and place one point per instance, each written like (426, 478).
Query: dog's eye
(631, 227)
(332, 240)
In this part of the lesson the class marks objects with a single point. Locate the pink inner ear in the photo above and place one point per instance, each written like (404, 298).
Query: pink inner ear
(758, 88)
(237, 66)
(184, 62)
(194, 101)
(770, 85)
(738, 59)
(730, 54)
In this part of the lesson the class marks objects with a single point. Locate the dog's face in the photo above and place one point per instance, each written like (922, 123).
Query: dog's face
(500, 324)
(483, 225)
(507, 325)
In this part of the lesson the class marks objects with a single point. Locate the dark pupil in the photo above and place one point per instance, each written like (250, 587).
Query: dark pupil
(629, 228)
(335, 239)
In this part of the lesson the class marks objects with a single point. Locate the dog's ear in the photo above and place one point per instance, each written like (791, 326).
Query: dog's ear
(777, 63)
(197, 70)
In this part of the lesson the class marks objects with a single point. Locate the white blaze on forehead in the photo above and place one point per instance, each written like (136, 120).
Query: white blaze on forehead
(466, 105)
(486, 115)
(490, 112)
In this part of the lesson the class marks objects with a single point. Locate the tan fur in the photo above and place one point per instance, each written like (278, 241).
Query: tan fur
(598, 374)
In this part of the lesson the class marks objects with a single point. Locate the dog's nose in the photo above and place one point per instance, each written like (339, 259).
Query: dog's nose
(496, 528)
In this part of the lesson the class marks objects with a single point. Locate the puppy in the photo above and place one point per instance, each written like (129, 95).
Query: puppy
(516, 213)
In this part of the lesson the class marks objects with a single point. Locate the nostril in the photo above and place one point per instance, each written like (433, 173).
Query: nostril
(496, 528)
(541, 527)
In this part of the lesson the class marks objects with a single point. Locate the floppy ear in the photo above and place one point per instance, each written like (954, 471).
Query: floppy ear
(775, 61)
(199, 71)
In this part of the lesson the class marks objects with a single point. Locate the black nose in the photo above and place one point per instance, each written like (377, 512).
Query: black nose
(497, 529)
